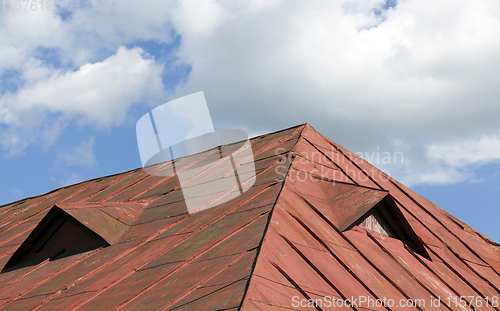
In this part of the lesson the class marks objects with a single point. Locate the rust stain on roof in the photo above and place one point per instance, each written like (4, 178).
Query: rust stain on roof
(295, 233)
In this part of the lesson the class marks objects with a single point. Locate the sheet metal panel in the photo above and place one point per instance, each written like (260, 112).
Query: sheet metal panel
(317, 155)
(126, 288)
(316, 138)
(342, 203)
(37, 277)
(312, 170)
(117, 270)
(166, 186)
(386, 265)
(226, 288)
(173, 286)
(225, 298)
(477, 245)
(127, 213)
(64, 282)
(203, 240)
(62, 304)
(132, 178)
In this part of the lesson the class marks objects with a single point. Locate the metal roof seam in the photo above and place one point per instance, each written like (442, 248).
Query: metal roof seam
(149, 188)
(317, 292)
(120, 190)
(206, 295)
(295, 285)
(310, 292)
(41, 196)
(117, 218)
(20, 233)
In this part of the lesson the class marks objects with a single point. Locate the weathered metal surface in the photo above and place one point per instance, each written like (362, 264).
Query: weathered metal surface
(109, 228)
(291, 234)
(341, 203)
(387, 268)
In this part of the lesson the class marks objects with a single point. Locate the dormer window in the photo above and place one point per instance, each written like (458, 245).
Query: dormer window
(56, 236)
(386, 219)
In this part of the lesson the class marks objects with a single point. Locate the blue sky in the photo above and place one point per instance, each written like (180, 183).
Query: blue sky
(416, 77)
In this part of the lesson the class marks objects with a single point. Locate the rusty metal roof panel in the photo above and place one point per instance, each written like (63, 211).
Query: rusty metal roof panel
(295, 232)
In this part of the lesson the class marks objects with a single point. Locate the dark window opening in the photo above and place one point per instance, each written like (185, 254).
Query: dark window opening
(386, 219)
(58, 235)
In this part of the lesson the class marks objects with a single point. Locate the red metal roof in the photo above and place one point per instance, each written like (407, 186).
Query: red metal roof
(292, 234)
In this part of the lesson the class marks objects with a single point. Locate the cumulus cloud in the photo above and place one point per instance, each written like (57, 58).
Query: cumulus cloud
(81, 155)
(97, 93)
(100, 92)
(481, 151)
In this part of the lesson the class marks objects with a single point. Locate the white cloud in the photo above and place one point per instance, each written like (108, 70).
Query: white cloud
(98, 93)
(71, 180)
(198, 18)
(448, 162)
(81, 155)
(439, 176)
(483, 150)
(101, 92)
